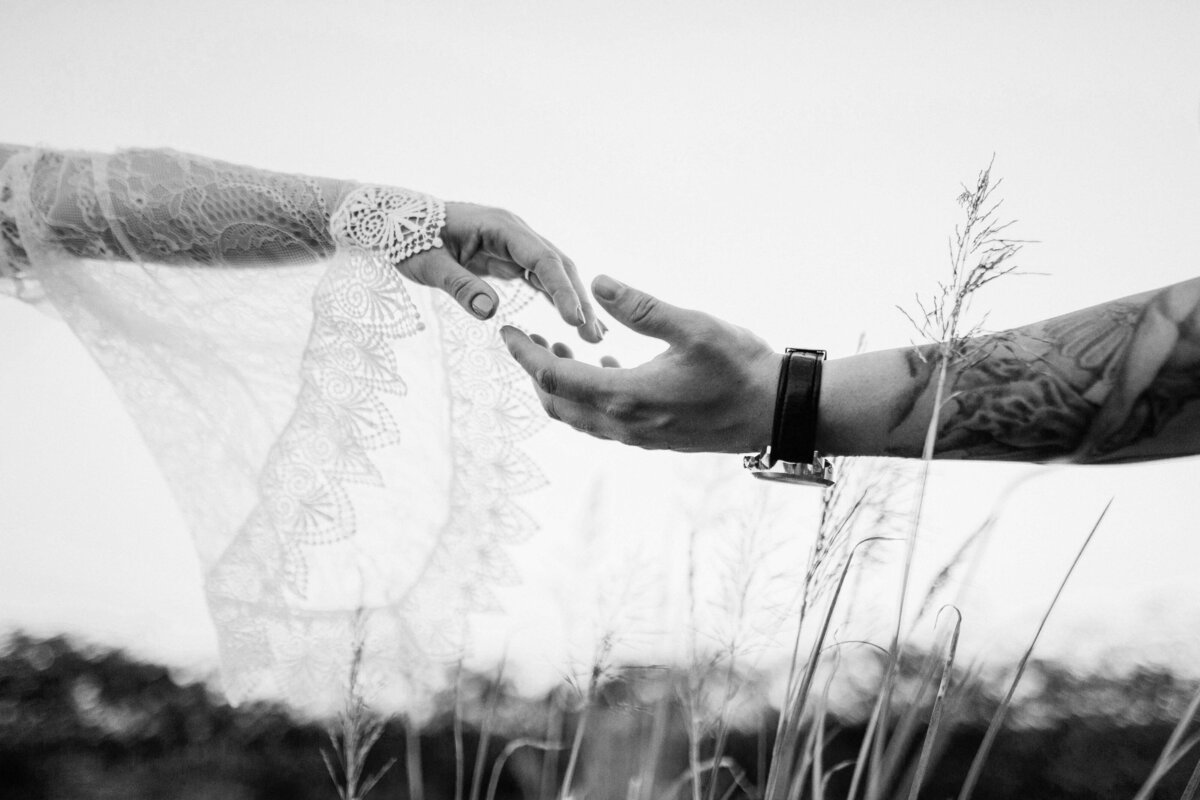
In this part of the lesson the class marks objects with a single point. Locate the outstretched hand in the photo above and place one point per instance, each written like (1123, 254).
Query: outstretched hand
(711, 390)
(481, 241)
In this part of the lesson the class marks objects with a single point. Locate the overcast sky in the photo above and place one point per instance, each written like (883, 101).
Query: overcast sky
(789, 166)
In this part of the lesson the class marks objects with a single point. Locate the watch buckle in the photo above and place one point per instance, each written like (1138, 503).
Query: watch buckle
(819, 472)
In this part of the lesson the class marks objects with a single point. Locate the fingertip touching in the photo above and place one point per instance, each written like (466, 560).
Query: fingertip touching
(606, 288)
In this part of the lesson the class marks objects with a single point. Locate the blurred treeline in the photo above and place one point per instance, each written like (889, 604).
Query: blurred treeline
(84, 723)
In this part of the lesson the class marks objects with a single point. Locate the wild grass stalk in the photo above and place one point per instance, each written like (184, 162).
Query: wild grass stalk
(691, 697)
(599, 667)
(979, 254)
(510, 748)
(554, 734)
(460, 763)
(658, 734)
(1175, 748)
(993, 729)
(690, 776)
(357, 730)
(792, 715)
(935, 716)
(817, 742)
(844, 506)
(970, 552)
(896, 755)
(412, 760)
(485, 733)
(749, 586)
(1189, 791)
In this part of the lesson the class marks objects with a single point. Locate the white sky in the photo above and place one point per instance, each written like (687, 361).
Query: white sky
(789, 166)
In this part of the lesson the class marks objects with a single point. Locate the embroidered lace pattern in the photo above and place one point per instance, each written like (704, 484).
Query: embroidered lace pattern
(394, 222)
(14, 262)
(344, 446)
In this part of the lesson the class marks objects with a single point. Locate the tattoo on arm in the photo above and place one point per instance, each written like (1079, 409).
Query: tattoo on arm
(1115, 382)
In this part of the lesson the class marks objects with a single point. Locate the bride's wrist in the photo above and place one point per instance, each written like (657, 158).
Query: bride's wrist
(397, 223)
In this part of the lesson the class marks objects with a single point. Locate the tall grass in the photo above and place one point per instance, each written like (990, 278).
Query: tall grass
(356, 730)
(876, 507)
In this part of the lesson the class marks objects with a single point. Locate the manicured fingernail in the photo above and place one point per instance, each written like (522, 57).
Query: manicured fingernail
(606, 288)
(483, 306)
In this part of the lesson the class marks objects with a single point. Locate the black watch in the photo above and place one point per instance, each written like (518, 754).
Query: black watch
(791, 456)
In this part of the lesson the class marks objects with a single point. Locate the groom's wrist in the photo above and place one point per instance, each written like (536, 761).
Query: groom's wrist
(760, 414)
(791, 453)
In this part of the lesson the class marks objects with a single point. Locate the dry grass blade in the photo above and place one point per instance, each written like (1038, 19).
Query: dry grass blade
(1172, 751)
(1189, 791)
(509, 749)
(993, 730)
(554, 733)
(692, 776)
(841, 765)
(793, 713)
(576, 746)
(935, 716)
(896, 754)
(412, 761)
(977, 541)
(485, 736)
(603, 650)
(459, 753)
(658, 737)
(818, 743)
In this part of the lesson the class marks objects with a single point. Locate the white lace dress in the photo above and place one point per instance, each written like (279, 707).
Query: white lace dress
(343, 445)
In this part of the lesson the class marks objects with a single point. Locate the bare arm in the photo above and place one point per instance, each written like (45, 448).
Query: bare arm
(1117, 382)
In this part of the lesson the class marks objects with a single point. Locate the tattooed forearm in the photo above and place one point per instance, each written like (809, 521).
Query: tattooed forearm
(1116, 382)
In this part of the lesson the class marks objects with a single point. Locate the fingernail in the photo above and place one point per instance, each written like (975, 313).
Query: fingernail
(483, 306)
(606, 288)
(579, 318)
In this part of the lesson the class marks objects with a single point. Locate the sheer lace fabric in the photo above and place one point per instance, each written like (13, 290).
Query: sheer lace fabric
(344, 446)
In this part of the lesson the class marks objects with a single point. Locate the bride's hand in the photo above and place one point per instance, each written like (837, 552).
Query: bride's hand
(478, 241)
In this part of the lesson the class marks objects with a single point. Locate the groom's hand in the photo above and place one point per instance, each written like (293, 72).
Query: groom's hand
(480, 241)
(712, 390)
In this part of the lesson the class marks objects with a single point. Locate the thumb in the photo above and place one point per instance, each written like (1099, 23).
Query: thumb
(435, 267)
(639, 311)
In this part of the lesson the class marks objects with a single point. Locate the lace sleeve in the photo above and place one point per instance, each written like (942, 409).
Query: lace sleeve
(13, 259)
(343, 446)
(174, 208)
(168, 207)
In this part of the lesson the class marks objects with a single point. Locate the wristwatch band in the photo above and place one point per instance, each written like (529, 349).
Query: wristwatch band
(791, 455)
(794, 434)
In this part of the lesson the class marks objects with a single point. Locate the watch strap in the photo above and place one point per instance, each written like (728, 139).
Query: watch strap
(794, 433)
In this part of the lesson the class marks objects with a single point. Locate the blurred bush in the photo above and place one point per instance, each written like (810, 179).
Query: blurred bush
(83, 723)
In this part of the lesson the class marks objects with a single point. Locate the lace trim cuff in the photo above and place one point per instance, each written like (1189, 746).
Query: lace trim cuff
(395, 222)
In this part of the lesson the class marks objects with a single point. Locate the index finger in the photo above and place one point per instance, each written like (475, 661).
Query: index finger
(527, 250)
(561, 377)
